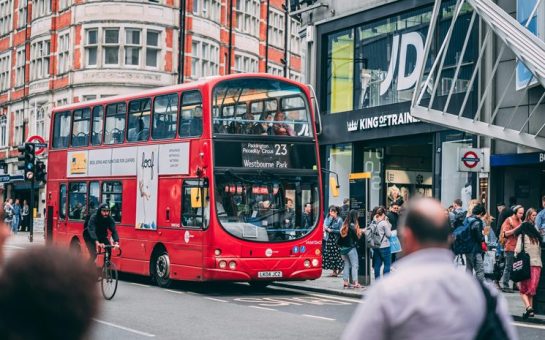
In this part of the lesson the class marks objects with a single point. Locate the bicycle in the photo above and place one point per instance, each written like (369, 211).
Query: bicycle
(109, 275)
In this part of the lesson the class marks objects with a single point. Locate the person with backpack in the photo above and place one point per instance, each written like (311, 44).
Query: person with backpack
(378, 238)
(457, 215)
(508, 240)
(427, 297)
(474, 258)
(349, 235)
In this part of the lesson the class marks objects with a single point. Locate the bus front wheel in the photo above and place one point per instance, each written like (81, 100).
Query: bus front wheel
(161, 269)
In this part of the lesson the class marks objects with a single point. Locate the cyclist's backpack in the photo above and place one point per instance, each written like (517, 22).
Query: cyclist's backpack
(372, 236)
(463, 243)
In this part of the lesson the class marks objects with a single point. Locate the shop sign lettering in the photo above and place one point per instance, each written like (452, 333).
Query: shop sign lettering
(369, 123)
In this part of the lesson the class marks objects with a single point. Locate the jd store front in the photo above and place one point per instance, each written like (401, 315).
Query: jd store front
(371, 61)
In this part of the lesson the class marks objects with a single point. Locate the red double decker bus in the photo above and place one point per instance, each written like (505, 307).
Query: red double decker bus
(212, 180)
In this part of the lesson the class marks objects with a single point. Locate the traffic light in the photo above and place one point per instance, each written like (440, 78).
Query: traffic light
(26, 160)
(40, 171)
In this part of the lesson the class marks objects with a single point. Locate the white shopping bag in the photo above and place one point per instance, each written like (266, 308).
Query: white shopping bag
(489, 261)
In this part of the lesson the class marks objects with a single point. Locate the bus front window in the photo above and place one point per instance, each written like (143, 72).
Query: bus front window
(267, 210)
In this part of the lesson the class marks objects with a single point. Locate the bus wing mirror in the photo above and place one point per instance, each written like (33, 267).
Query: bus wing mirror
(317, 116)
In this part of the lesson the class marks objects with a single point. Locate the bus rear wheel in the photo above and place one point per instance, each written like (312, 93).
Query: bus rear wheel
(161, 269)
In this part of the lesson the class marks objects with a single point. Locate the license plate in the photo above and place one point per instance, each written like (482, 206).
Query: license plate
(264, 275)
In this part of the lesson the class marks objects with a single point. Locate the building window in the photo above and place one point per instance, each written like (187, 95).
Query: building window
(295, 39)
(63, 53)
(152, 48)
(64, 4)
(22, 13)
(19, 121)
(132, 47)
(209, 9)
(274, 69)
(4, 71)
(40, 120)
(111, 46)
(276, 28)
(248, 17)
(20, 67)
(5, 16)
(41, 8)
(245, 63)
(295, 76)
(3, 131)
(204, 59)
(39, 60)
(91, 47)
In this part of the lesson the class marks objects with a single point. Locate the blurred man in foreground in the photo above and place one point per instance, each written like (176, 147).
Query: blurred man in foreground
(427, 297)
(46, 293)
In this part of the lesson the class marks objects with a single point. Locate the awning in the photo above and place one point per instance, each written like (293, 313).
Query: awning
(517, 159)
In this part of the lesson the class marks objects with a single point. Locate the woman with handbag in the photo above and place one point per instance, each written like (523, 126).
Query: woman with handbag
(529, 241)
(349, 235)
(382, 254)
(509, 241)
(332, 227)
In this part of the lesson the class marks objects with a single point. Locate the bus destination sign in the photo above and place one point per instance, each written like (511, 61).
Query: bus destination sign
(259, 155)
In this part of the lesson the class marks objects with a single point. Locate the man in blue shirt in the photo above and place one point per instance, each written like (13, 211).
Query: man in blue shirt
(540, 218)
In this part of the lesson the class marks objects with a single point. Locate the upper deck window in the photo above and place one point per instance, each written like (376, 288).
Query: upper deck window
(61, 129)
(80, 127)
(191, 114)
(165, 113)
(98, 120)
(260, 107)
(115, 123)
(139, 118)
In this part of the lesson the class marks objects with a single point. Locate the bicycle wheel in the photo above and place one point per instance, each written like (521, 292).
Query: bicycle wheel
(108, 283)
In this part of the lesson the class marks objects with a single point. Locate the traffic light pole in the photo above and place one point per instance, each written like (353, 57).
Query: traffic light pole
(31, 212)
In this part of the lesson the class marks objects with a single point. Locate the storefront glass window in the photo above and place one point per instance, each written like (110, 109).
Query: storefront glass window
(388, 55)
(340, 162)
(373, 162)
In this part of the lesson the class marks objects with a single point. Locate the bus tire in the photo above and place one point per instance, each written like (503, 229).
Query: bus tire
(75, 247)
(161, 269)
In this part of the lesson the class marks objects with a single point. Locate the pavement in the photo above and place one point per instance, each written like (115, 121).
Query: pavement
(325, 284)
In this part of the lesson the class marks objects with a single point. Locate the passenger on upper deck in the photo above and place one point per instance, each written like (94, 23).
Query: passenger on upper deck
(280, 128)
(264, 125)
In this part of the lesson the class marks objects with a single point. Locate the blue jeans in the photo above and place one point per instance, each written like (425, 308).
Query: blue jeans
(350, 265)
(15, 224)
(380, 256)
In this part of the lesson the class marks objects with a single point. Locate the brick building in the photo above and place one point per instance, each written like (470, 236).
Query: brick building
(55, 52)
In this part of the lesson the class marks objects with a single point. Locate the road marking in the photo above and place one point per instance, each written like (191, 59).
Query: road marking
(318, 317)
(520, 324)
(218, 300)
(125, 328)
(13, 247)
(257, 307)
(174, 291)
(340, 298)
(139, 284)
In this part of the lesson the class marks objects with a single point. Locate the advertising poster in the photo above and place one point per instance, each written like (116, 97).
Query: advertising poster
(77, 164)
(147, 174)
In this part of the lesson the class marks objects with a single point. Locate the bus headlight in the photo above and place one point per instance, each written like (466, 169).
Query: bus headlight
(217, 252)
(307, 263)
(223, 264)
(232, 265)
(315, 263)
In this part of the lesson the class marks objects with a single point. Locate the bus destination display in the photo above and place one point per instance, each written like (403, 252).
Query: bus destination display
(259, 155)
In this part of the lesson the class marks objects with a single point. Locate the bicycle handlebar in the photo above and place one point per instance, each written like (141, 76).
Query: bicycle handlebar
(110, 246)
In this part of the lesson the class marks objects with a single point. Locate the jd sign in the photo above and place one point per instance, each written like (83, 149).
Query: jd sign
(404, 81)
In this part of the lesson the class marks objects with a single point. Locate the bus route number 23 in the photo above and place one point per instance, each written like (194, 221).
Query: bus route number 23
(280, 149)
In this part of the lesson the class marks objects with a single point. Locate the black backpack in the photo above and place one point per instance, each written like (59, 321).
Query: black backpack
(492, 325)
(459, 218)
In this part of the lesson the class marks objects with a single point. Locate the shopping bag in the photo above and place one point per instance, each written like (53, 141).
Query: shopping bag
(489, 261)
(459, 262)
(521, 267)
(395, 246)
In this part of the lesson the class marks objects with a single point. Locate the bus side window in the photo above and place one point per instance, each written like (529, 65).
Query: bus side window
(98, 118)
(139, 119)
(77, 200)
(165, 114)
(191, 114)
(62, 202)
(112, 195)
(61, 129)
(115, 123)
(80, 127)
(194, 199)
(94, 197)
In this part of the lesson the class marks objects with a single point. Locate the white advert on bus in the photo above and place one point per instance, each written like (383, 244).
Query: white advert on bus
(147, 183)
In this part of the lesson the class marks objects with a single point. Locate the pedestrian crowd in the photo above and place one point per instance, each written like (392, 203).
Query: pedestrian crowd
(17, 216)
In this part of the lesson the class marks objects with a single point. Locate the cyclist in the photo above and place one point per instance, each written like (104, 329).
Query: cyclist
(95, 233)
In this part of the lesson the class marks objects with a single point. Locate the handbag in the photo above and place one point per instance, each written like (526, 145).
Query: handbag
(395, 246)
(521, 266)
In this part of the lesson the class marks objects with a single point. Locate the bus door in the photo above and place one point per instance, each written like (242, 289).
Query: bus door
(62, 216)
(195, 217)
